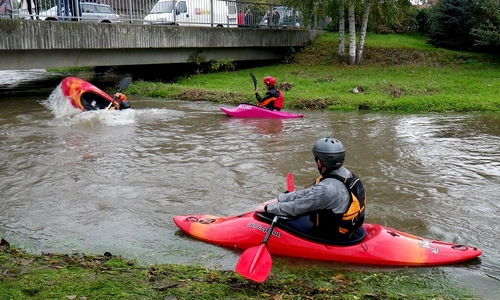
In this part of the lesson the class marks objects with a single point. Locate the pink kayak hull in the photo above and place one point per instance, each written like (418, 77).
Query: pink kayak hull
(252, 111)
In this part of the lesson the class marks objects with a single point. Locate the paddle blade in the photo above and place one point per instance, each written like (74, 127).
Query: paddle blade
(255, 263)
(124, 83)
(290, 185)
(254, 80)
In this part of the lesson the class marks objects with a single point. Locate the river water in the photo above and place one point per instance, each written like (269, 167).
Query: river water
(112, 180)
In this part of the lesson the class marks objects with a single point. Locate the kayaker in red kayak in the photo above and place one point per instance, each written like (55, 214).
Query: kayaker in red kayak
(327, 209)
(273, 99)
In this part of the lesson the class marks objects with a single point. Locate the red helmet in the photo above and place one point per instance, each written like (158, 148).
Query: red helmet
(269, 80)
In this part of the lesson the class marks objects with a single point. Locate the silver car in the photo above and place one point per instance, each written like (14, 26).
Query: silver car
(90, 12)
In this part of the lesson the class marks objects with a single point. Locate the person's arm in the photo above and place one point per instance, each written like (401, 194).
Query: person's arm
(300, 202)
(268, 95)
(257, 96)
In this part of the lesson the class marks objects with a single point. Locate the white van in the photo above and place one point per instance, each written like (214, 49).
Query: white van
(216, 13)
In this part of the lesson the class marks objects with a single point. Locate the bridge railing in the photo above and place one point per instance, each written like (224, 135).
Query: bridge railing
(215, 13)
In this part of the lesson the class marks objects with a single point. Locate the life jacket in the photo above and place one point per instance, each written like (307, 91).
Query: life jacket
(342, 223)
(120, 97)
(277, 103)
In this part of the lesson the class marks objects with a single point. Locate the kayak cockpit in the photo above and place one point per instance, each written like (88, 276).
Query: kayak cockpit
(92, 101)
(356, 237)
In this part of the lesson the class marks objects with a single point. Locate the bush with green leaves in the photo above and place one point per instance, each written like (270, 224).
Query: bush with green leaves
(422, 19)
(487, 37)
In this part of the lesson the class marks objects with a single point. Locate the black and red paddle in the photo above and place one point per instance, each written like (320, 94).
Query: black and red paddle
(123, 85)
(255, 263)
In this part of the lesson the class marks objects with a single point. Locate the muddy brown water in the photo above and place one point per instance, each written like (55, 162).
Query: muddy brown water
(112, 181)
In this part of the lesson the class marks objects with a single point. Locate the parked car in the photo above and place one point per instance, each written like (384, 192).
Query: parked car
(90, 12)
(288, 18)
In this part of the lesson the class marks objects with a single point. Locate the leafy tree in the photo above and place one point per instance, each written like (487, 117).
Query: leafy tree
(491, 9)
(399, 17)
(487, 37)
(422, 20)
(487, 33)
(353, 15)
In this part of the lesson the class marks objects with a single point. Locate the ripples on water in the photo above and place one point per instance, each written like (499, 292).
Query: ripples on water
(112, 180)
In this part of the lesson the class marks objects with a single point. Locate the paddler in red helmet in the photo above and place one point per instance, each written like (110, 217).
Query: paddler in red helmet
(120, 102)
(273, 99)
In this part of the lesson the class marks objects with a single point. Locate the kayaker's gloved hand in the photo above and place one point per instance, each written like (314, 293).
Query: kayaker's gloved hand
(262, 206)
(120, 97)
(115, 105)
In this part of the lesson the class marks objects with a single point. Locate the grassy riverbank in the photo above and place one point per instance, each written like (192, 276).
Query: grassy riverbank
(399, 73)
(76, 276)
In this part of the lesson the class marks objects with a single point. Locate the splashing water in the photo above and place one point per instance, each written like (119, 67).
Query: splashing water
(59, 105)
(104, 118)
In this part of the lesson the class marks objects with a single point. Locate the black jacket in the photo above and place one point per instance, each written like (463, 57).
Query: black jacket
(270, 93)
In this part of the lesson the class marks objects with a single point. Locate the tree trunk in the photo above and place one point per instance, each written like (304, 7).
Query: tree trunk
(341, 50)
(352, 33)
(362, 34)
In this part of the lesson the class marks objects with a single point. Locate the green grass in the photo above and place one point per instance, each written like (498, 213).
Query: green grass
(74, 70)
(76, 276)
(412, 41)
(399, 73)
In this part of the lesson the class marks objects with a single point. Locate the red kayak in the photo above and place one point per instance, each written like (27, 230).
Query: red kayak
(375, 245)
(86, 96)
(245, 110)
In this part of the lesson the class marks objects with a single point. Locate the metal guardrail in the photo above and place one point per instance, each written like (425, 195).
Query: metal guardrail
(215, 13)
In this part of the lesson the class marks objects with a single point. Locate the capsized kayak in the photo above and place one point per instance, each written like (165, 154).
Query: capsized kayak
(85, 96)
(379, 246)
(245, 110)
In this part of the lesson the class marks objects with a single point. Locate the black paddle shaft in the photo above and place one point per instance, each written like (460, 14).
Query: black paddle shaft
(270, 231)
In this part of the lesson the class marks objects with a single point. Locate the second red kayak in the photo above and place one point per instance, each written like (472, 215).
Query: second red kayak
(245, 110)
(85, 96)
(379, 246)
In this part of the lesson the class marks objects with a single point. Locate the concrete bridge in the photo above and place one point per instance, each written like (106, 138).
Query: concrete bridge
(35, 44)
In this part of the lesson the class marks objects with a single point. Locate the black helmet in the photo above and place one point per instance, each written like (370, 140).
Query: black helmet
(330, 151)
